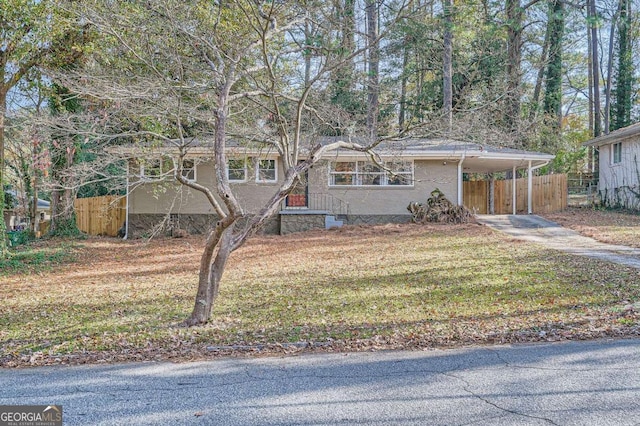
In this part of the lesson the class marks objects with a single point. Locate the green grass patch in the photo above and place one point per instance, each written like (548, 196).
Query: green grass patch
(34, 257)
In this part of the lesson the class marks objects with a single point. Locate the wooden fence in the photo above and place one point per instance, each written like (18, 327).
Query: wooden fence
(101, 215)
(549, 194)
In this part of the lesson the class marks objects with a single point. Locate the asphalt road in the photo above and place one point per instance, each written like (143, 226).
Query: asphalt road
(569, 383)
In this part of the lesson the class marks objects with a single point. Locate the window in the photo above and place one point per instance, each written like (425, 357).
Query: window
(155, 168)
(266, 171)
(343, 173)
(402, 173)
(189, 169)
(159, 168)
(616, 153)
(237, 170)
(364, 173)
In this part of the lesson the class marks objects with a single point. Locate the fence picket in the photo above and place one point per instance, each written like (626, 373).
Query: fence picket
(550, 194)
(101, 215)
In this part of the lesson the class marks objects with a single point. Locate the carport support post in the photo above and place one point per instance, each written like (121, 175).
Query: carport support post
(514, 198)
(460, 197)
(126, 215)
(492, 198)
(529, 188)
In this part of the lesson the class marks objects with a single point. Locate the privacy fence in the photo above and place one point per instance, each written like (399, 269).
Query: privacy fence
(549, 194)
(101, 215)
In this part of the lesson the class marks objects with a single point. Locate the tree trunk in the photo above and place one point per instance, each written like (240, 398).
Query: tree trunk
(308, 52)
(3, 227)
(374, 60)
(63, 220)
(342, 78)
(607, 87)
(33, 208)
(553, 92)
(403, 88)
(447, 65)
(211, 270)
(514, 59)
(624, 81)
(535, 102)
(595, 68)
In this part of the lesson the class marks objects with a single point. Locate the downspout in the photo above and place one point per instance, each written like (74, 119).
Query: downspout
(126, 218)
(460, 198)
(530, 184)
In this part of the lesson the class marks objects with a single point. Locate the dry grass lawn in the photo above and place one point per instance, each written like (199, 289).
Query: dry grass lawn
(608, 226)
(358, 288)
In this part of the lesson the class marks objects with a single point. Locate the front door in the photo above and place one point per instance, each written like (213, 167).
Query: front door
(299, 197)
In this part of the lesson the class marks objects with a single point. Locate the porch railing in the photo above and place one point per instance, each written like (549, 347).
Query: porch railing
(317, 201)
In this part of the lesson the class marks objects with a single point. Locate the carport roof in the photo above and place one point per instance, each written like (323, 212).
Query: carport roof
(477, 158)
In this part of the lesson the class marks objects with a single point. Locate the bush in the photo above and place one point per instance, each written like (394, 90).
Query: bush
(17, 238)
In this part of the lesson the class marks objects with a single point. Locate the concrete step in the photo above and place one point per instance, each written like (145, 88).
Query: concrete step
(331, 222)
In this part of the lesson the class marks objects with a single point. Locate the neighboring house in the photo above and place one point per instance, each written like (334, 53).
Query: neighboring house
(345, 187)
(619, 167)
(18, 217)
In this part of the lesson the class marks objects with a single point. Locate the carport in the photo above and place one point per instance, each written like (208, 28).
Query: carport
(481, 159)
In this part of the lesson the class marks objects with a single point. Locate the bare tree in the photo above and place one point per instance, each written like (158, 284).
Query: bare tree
(592, 18)
(515, 14)
(169, 73)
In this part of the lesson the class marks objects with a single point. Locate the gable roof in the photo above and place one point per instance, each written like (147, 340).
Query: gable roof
(615, 136)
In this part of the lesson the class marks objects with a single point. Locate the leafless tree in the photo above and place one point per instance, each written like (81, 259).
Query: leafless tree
(169, 73)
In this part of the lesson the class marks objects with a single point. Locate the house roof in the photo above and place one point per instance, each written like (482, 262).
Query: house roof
(615, 136)
(476, 158)
(42, 204)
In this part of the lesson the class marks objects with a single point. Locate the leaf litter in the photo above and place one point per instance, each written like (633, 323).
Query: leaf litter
(355, 288)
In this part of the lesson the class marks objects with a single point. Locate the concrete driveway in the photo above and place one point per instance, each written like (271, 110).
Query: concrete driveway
(569, 383)
(539, 230)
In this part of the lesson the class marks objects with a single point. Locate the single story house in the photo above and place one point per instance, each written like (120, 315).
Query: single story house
(346, 187)
(619, 167)
(17, 218)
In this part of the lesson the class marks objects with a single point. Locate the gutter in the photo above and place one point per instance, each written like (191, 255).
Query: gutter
(539, 166)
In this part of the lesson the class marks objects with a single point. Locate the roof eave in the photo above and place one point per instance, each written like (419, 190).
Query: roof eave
(615, 136)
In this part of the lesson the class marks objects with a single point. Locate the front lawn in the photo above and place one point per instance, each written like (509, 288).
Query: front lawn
(608, 226)
(358, 288)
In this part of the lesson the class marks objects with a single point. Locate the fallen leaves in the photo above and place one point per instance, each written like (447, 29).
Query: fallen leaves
(608, 226)
(357, 288)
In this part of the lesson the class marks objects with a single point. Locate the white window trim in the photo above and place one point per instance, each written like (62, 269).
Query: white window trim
(385, 176)
(613, 153)
(246, 171)
(257, 170)
(159, 176)
(195, 169)
(165, 173)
